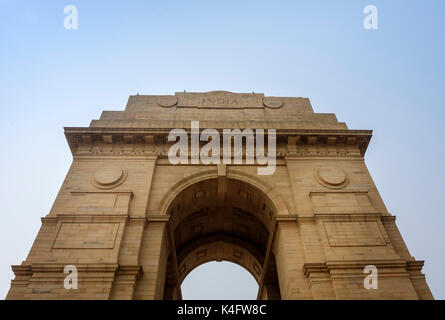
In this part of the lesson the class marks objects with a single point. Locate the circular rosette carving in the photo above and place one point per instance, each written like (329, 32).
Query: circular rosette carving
(108, 177)
(273, 103)
(168, 101)
(331, 176)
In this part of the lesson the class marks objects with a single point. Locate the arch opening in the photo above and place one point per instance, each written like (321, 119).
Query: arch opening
(232, 282)
(220, 219)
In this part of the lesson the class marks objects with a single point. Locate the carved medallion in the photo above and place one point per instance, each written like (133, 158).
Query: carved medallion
(168, 101)
(331, 176)
(108, 177)
(273, 103)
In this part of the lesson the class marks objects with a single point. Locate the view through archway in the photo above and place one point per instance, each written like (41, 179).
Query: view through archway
(221, 219)
(219, 281)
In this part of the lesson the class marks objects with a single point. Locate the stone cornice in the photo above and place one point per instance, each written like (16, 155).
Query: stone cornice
(290, 142)
(94, 269)
(133, 270)
(351, 267)
(415, 265)
(29, 269)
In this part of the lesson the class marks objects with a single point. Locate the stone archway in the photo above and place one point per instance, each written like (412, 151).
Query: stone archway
(221, 219)
(134, 224)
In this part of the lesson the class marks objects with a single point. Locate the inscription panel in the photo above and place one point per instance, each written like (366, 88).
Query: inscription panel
(220, 99)
(353, 234)
(92, 201)
(341, 202)
(86, 236)
(97, 203)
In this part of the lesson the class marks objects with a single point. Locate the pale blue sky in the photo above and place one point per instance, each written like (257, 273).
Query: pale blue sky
(389, 80)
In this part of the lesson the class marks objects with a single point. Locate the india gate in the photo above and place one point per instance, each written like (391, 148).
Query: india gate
(134, 225)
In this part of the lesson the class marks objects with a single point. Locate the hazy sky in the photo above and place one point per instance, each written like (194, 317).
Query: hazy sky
(390, 80)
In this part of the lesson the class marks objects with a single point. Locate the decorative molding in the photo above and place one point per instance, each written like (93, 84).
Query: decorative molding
(90, 218)
(88, 268)
(347, 217)
(290, 217)
(354, 268)
(415, 265)
(131, 270)
(22, 270)
(310, 268)
(153, 142)
(306, 219)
